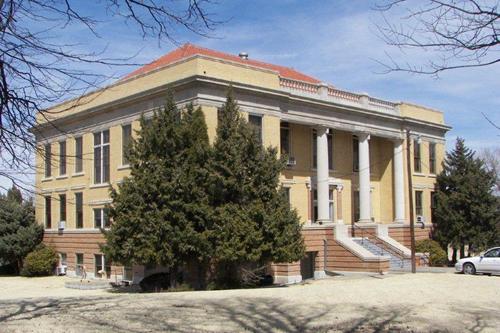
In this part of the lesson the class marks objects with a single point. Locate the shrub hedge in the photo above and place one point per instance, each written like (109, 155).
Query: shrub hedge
(40, 262)
(437, 256)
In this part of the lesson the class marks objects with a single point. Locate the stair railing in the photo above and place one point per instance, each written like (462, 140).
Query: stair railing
(354, 227)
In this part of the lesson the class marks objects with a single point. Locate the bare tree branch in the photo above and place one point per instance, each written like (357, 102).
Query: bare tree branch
(38, 69)
(454, 33)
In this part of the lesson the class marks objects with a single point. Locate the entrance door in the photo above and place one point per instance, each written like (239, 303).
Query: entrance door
(307, 265)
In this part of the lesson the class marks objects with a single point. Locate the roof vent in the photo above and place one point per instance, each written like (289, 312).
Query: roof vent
(243, 55)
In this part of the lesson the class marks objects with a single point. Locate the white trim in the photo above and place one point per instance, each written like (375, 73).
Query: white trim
(92, 186)
(99, 202)
(123, 167)
(73, 231)
(77, 187)
(78, 174)
(65, 176)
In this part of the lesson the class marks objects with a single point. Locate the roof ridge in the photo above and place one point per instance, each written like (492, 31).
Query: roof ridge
(189, 49)
(235, 56)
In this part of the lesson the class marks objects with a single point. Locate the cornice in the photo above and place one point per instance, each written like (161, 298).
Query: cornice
(286, 97)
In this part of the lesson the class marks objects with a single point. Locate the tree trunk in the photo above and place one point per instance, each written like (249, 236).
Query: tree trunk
(202, 275)
(462, 251)
(19, 266)
(454, 256)
(173, 277)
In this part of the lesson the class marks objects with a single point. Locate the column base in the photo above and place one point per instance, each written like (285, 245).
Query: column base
(340, 221)
(363, 221)
(400, 221)
(319, 275)
(287, 279)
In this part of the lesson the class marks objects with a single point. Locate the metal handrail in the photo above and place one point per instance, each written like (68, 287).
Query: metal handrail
(381, 244)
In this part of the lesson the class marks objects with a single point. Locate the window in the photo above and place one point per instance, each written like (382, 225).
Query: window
(102, 268)
(331, 204)
(101, 157)
(355, 154)
(79, 210)
(417, 165)
(495, 253)
(315, 150)
(287, 194)
(48, 213)
(433, 204)
(47, 158)
(418, 203)
(62, 207)
(79, 264)
(126, 140)
(432, 157)
(356, 206)
(78, 154)
(285, 139)
(101, 219)
(256, 122)
(62, 158)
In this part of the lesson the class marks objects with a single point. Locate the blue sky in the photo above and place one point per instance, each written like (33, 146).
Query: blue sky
(335, 41)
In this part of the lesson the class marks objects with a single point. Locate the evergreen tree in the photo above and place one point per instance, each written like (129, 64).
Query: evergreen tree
(19, 232)
(159, 212)
(253, 221)
(466, 210)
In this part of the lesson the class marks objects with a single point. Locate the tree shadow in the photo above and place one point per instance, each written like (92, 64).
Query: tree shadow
(177, 313)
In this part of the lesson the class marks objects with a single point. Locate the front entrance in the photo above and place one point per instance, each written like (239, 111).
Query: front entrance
(307, 265)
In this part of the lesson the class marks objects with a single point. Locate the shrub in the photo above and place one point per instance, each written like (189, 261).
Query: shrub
(155, 283)
(40, 262)
(181, 287)
(437, 256)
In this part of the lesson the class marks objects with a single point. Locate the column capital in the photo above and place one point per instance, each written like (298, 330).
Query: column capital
(321, 129)
(362, 136)
(397, 141)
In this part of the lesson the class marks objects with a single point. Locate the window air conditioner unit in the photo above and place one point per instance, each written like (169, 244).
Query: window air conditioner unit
(291, 161)
(62, 225)
(420, 219)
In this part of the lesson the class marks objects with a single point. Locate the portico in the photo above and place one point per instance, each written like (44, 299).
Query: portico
(330, 188)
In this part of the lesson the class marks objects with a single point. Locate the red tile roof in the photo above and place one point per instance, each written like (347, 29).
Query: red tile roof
(188, 50)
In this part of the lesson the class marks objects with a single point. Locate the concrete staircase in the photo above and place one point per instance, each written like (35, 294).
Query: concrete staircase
(396, 262)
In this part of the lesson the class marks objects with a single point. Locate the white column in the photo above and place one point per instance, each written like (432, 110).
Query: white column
(399, 187)
(364, 178)
(322, 175)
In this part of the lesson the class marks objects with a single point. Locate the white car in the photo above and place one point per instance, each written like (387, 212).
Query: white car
(488, 263)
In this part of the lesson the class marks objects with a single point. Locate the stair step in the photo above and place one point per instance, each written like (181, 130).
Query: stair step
(395, 262)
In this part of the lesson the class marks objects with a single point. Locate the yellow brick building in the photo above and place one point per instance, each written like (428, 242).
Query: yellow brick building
(346, 175)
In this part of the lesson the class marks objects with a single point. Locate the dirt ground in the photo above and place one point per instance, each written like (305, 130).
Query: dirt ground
(424, 302)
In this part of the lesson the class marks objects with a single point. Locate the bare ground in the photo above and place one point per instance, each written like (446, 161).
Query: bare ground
(423, 302)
